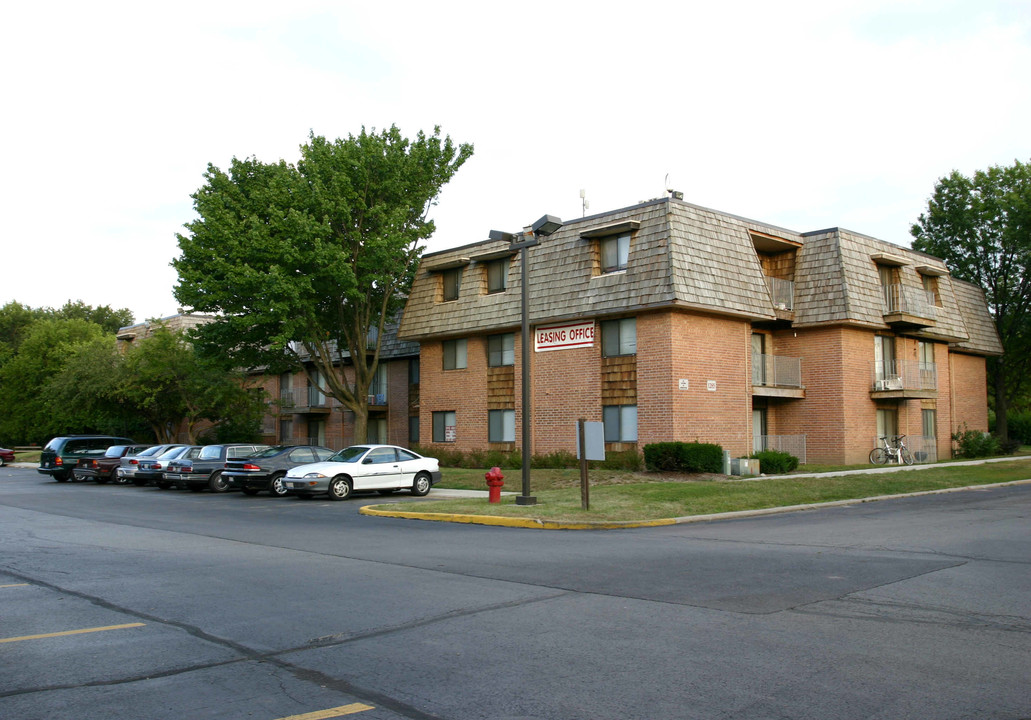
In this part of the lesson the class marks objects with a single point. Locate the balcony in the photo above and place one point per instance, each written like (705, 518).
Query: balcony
(903, 379)
(376, 400)
(305, 401)
(782, 292)
(777, 376)
(908, 306)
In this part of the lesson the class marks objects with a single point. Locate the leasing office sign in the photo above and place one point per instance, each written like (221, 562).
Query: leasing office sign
(564, 337)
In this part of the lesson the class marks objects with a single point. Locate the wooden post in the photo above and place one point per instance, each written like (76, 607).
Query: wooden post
(585, 491)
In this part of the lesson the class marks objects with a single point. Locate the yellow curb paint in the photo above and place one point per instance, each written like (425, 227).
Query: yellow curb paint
(70, 632)
(332, 712)
(15, 585)
(531, 523)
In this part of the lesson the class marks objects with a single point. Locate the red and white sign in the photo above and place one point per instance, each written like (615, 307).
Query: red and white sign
(564, 337)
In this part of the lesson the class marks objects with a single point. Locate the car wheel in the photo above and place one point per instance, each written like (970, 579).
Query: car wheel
(2, 461)
(121, 480)
(340, 488)
(248, 491)
(276, 486)
(217, 483)
(422, 484)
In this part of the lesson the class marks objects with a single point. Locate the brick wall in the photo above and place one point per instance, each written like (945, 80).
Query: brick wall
(970, 392)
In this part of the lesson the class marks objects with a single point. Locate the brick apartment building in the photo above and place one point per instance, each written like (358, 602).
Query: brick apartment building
(668, 321)
(301, 413)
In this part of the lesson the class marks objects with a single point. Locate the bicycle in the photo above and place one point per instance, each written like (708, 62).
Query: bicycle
(892, 449)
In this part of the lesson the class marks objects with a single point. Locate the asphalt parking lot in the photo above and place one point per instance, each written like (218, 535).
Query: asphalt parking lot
(123, 601)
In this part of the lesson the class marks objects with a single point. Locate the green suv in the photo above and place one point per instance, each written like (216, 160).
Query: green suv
(61, 454)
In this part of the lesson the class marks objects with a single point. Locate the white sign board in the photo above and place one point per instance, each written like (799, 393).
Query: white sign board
(684, 384)
(564, 337)
(594, 438)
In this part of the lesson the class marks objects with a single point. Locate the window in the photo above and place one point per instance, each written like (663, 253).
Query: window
(619, 337)
(413, 371)
(378, 386)
(884, 359)
(413, 430)
(497, 275)
(501, 350)
(452, 282)
(302, 455)
(615, 251)
(455, 354)
(501, 426)
(286, 429)
(929, 423)
(930, 283)
(887, 423)
(377, 431)
(444, 426)
(620, 423)
(759, 431)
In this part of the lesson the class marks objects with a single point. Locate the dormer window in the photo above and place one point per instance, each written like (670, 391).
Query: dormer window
(613, 249)
(497, 275)
(452, 283)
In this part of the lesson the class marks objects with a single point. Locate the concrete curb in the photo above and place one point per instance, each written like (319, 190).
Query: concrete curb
(535, 524)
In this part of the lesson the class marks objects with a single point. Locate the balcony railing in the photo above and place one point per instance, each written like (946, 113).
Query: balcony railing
(792, 444)
(776, 371)
(377, 399)
(901, 299)
(303, 397)
(903, 375)
(782, 292)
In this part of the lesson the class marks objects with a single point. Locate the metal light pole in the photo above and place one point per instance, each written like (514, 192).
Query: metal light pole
(542, 228)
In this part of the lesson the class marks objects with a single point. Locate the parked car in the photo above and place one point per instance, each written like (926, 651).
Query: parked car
(61, 454)
(128, 465)
(152, 469)
(265, 469)
(6, 456)
(385, 468)
(102, 469)
(204, 470)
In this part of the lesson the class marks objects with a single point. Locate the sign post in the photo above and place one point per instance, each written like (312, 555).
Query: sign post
(590, 445)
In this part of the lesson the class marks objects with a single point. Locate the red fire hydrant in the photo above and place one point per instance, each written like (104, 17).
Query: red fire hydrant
(494, 482)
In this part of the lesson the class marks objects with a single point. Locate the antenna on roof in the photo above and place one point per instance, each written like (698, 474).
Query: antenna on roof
(584, 201)
(675, 194)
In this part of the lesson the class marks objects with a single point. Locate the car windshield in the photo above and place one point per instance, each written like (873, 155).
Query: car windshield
(350, 454)
(151, 452)
(115, 451)
(173, 453)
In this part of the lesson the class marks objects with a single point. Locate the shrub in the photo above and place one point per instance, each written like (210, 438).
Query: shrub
(684, 457)
(623, 460)
(775, 462)
(975, 444)
(1019, 426)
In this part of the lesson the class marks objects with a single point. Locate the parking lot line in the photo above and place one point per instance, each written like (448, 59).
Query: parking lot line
(332, 712)
(14, 585)
(71, 632)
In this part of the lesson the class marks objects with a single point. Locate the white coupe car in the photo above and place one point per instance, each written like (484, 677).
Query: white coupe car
(384, 468)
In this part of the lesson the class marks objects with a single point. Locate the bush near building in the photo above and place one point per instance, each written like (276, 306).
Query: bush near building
(774, 462)
(684, 457)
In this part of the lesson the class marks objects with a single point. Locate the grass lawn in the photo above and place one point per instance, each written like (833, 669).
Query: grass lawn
(626, 496)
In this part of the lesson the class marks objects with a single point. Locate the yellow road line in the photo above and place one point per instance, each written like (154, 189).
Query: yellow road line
(15, 585)
(70, 632)
(332, 712)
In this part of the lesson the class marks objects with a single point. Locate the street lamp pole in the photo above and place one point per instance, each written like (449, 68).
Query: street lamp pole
(542, 228)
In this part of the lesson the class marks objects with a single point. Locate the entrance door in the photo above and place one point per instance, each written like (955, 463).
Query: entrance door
(759, 431)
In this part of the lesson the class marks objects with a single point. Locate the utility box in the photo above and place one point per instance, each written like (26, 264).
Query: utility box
(745, 467)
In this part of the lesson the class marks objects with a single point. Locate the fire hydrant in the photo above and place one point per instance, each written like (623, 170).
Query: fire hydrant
(494, 482)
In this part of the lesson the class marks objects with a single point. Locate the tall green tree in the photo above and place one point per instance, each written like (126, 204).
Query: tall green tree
(25, 412)
(981, 226)
(165, 382)
(305, 264)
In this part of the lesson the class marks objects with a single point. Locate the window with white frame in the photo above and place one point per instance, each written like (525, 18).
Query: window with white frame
(501, 350)
(501, 426)
(444, 426)
(455, 352)
(620, 423)
(615, 252)
(619, 337)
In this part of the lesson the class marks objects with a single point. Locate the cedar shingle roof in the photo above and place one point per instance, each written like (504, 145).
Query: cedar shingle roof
(686, 256)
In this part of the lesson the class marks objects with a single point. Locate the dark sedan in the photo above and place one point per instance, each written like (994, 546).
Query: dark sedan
(265, 470)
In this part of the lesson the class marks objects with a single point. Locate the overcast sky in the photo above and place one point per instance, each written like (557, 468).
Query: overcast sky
(805, 115)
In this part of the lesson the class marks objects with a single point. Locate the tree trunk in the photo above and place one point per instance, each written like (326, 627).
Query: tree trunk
(1001, 401)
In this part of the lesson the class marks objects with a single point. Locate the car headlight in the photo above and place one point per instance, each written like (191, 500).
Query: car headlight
(314, 476)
